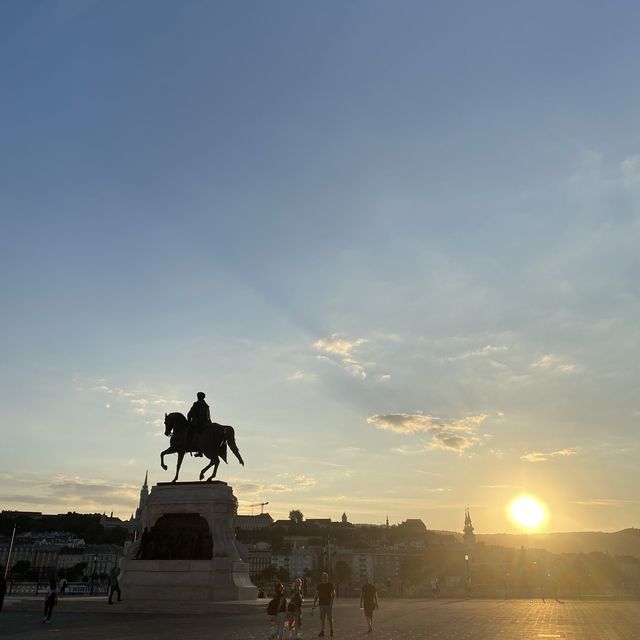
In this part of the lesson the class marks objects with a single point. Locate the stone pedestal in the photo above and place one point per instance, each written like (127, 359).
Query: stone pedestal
(196, 569)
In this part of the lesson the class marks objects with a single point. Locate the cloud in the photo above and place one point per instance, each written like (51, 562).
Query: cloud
(605, 502)
(544, 457)
(138, 402)
(62, 493)
(501, 486)
(343, 349)
(301, 376)
(287, 482)
(455, 436)
(552, 362)
(483, 352)
(337, 346)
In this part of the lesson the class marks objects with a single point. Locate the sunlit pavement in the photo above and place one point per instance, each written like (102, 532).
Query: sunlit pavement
(395, 620)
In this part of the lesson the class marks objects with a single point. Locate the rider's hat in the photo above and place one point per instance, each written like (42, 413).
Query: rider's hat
(200, 395)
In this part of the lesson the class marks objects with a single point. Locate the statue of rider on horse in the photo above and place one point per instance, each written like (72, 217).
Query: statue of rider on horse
(197, 434)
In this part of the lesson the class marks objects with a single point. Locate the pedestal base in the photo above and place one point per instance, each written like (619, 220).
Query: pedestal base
(225, 576)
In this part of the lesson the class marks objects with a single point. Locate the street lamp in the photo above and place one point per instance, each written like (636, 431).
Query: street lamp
(93, 573)
(468, 583)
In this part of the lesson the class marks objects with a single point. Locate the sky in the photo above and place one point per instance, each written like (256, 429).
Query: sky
(396, 244)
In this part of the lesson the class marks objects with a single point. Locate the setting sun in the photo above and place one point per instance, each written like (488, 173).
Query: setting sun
(527, 512)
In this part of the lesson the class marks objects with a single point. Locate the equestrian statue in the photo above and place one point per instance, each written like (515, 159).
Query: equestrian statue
(197, 434)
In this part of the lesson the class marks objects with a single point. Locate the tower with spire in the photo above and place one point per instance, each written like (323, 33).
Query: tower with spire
(469, 536)
(144, 496)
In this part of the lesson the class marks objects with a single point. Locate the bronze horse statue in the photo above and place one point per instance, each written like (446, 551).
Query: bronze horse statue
(210, 439)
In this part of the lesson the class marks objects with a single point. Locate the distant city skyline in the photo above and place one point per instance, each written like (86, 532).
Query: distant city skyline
(395, 245)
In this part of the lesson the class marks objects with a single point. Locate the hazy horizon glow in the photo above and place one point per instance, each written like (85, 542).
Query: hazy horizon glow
(396, 245)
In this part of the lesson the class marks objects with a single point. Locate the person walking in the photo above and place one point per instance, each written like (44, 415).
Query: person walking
(368, 602)
(279, 604)
(114, 585)
(324, 596)
(50, 601)
(435, 587)
(294, 609)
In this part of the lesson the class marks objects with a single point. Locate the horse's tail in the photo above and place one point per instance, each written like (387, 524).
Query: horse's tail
(230, 439)
(222, 451)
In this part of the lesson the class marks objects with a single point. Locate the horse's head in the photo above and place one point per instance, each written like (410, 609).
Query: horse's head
(168, 427)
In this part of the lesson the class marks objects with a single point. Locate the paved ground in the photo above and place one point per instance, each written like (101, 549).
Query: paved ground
(395, 620)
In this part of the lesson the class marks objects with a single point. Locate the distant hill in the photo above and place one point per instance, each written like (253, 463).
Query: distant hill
(618, 543)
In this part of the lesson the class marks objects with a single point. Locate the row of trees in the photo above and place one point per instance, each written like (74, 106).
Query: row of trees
(86, 526)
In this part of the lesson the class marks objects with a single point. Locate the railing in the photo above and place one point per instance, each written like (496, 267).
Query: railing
(40, 588)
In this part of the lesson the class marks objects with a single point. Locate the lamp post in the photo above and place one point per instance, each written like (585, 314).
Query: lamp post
(93, 573)
(468, 582)
(6, 569)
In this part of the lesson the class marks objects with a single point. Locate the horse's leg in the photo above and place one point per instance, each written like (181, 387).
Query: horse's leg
(215, 469)
(206, 468)
(180, 456)
(163, 454)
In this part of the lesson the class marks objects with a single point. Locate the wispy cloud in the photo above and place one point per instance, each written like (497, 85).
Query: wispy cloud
(301, 376)
(605, 502)
(285, 483)
(482, 352)
(343, 350)
(552, 362)
(502, 486)
(456, 436)
(536, 456)
(139, 402)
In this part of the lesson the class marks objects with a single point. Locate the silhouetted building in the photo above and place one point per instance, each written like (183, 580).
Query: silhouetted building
(252, 523)
(469, 537)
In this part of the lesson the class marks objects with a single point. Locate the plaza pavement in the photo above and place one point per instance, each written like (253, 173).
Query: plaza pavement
(395, 620)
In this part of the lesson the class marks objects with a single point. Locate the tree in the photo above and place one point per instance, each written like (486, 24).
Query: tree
(296, 516)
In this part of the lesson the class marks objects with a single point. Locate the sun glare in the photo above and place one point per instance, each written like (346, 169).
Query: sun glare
(527, 512)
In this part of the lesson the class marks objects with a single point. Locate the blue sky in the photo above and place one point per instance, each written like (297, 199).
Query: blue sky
(395, 244)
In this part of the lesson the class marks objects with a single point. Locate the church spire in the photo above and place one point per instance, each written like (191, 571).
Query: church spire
(146, 476)
(469, 536)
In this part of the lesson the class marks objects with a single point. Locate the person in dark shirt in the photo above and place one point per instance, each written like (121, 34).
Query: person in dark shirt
(281, 617)
(368, 602)
(324, 597)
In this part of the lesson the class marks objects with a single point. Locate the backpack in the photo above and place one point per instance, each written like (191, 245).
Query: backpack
(273, 606)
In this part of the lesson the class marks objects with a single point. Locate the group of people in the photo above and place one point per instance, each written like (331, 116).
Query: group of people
(288, 616)
(53, 590)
